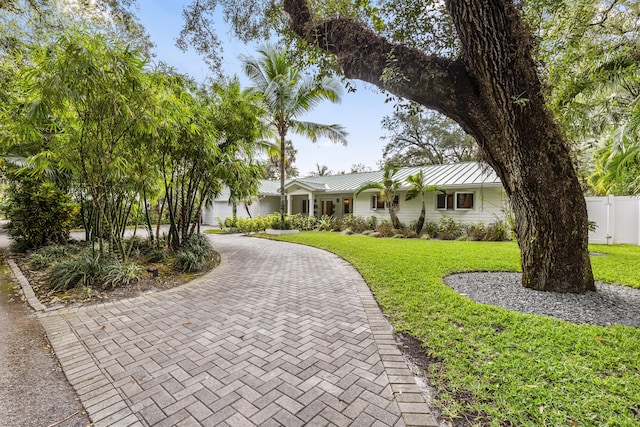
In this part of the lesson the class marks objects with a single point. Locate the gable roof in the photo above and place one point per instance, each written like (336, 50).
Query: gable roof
(450, 175)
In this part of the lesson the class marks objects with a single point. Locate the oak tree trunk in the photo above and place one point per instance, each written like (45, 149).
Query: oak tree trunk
(493, 91)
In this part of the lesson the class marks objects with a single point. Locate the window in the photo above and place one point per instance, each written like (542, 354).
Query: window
(464, 200)
(444, 201)
(305, 206)
(376, 202)
(346, 206)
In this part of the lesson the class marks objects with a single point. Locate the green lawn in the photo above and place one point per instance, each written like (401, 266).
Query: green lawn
(506, 367)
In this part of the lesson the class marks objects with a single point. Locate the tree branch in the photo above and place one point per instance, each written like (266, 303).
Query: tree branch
(436, 82)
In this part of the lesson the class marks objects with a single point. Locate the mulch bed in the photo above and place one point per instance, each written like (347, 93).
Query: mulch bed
(167, 279)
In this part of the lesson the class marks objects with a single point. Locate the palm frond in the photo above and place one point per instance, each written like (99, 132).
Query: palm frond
(368, 186)
(335, 133)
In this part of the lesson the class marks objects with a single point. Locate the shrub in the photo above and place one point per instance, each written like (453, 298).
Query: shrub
(74, 272)
(325, 223)
(493, 232)
(188, 262)
(449, 228)
(139, 246)
(49, 255)
(39, 213)
(385, 229)
(476, 231)
(373, 222)
(497, 231)
(230, 222)
(273, 221)
(116, 273)
(303, 222)
(198, 244)
(195, 254)
(156, 255)
(430, 229)
(356, 224)
(410, 234)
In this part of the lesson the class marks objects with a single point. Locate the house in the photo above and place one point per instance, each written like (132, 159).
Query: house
(473, 193)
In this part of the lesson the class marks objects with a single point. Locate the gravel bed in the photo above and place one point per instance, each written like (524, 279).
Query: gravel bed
(611, 304)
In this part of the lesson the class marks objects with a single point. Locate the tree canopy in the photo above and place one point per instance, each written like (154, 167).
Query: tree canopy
(478, 64)
(418, 137)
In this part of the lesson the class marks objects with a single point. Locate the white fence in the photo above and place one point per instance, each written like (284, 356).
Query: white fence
(617, 219)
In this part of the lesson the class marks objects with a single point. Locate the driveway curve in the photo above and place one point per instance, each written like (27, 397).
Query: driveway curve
(278, 334)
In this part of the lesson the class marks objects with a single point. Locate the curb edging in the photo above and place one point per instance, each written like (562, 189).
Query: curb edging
(27, 290)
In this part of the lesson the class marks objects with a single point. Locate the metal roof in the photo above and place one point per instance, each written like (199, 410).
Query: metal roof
(269, 187)
(450, 175)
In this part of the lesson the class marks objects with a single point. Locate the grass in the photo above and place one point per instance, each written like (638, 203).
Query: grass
(493, 366)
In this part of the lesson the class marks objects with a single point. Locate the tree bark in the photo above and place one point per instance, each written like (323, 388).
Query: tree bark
(283, 200)
(493, 91)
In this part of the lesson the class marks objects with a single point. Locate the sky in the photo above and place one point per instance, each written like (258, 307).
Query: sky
(360, 112)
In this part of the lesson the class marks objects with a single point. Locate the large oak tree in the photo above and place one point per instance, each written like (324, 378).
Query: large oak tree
(483, 75)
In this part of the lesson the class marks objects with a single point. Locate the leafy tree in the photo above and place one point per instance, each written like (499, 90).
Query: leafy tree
(388, 188)
(287, 94)
(418, 187)
(321, 170)
(86, 99)
(39, 213)
(238, 122)
(473, 62)
(29, 22)
(592, 51)
(359, 168)
(271, 165)
(189, 155)
(419, 137)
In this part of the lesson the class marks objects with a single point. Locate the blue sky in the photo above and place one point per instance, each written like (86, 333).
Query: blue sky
(360, 112)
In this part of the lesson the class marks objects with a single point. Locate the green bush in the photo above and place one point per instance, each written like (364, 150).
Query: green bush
(116, 273)
(139, 246)
(188, 262)
(430, 229)
(449, 229)
(325, 223)
(276, 224)
(373, 222)
(303, 222)
(39, 213)
(357, 224)
(385, 229)
(492, 232)
(156, 255)
(70, 273)
(194, 255)
(46, 256)
(250, 225)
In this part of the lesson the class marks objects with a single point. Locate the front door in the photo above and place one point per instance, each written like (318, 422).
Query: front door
(327, 207)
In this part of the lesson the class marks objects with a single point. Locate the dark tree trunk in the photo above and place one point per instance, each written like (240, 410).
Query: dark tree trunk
(494, 92)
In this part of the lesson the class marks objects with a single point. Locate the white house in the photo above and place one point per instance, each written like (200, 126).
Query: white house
(473, 193)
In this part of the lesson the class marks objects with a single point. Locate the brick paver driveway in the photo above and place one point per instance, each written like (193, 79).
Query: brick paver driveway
(278, 334)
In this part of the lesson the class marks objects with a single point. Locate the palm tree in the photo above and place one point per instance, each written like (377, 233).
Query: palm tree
(418, 187)
(287, 95)
(389, 187)
(321, 170)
